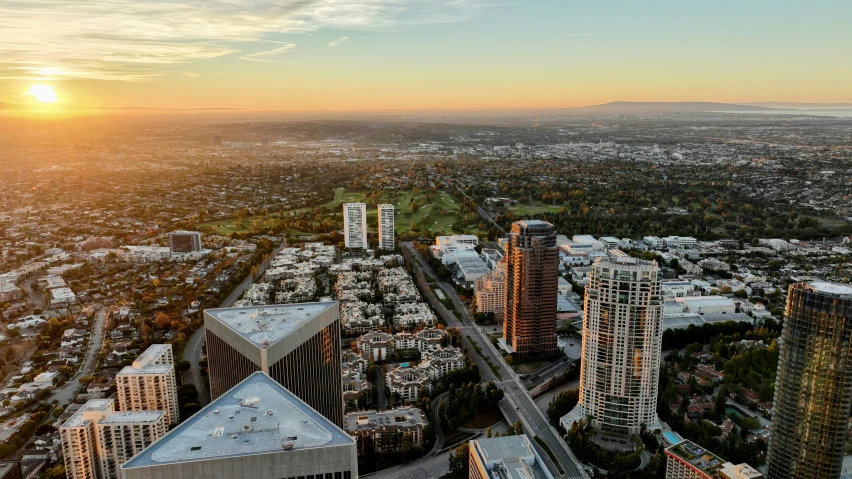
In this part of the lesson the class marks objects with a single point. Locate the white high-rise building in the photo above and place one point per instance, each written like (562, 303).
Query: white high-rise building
(386, 226)
(622, 340)
(149, 384)
(97, 439)
(124, 434)
(355, 225)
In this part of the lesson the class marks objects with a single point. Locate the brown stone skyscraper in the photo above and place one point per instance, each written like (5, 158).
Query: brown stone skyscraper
(532, 262)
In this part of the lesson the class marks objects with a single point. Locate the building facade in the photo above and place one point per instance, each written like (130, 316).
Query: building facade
(380, 432)
(622, 345)
(491, 291)
(386, 227)
(78, 435)
(532, 264)
(687, 460)
(298, 345)
(256, 430)
(355, 225)
(813, 392)
(124, 434)
(97, 440)
(149, 383)
(185, 241)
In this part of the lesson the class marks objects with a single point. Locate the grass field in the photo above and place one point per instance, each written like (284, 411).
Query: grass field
(438, 215)
(533, 208)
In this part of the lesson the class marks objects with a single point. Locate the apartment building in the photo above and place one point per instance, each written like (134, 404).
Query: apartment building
(355, 225)
(386, 227)
(149, 383)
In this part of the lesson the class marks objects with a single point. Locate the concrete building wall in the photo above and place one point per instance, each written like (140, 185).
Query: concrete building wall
(339, 461)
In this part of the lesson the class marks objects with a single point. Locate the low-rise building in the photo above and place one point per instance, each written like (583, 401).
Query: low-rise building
(507, 457)
(687, 460)
(384, 431)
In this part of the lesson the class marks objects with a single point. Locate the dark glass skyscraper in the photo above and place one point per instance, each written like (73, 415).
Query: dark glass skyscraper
(813, 392)
(532, 265)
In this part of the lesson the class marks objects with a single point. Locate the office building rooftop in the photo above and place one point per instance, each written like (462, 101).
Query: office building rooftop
(257, 416)
(265, 325)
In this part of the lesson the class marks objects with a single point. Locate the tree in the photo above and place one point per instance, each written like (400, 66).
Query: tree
(184, 365)
(86, 380)
(459, 460)
(518, 427)
(561, 405)
(162, 320)
(415, 206)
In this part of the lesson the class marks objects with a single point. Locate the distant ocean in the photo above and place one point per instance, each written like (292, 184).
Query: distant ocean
(844, 113)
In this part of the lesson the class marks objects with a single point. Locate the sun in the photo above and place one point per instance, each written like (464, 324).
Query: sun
(43, 93)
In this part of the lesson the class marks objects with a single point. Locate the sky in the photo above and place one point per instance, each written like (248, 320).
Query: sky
(412, 54)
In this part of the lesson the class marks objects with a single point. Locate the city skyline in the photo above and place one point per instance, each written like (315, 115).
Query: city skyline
(471, 54)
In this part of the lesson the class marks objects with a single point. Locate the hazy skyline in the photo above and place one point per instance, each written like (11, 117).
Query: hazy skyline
(400, 54)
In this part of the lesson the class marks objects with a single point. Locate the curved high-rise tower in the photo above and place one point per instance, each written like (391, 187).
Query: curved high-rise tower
(813, 388)
(622, 344)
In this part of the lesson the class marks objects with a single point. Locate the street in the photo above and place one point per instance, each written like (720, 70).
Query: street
(68, 391)
(194, 351)
(534, 421)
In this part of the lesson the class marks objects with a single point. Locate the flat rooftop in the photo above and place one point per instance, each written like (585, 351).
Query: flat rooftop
(133, 417)
(831, 288)
(153, 352)
(92, 405)
(149, 369)
(372, 419)
(265, 325)
(696, 456)
(257, 416)
(514, 454)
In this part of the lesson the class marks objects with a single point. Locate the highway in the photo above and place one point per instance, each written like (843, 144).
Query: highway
(534, 421)
(194, 351)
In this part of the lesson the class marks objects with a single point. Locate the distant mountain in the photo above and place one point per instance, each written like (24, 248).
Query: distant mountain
(788, 105)
(644, 108)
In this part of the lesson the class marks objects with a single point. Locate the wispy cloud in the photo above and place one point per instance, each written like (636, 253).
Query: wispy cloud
(190, 74)
(132, 40)
(338, 42)
(254, 57)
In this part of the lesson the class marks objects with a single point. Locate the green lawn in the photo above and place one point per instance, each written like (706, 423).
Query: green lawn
(438, 215)
(533, 208)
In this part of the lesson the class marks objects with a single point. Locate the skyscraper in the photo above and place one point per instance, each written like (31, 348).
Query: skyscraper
(532, 262)
(355, 225)
(813, 387)
(622, 345)
(257, 430)
(298, 345)
(386, 226)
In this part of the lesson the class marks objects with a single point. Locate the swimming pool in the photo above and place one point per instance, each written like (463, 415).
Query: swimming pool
(672, 437)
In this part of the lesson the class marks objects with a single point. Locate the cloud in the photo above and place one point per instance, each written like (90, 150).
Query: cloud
(133, 40)
(190, 74)
(339, 41)
(253, 57)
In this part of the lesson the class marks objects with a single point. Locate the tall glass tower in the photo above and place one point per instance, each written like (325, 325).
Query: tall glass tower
(813, 392)
(532, 269)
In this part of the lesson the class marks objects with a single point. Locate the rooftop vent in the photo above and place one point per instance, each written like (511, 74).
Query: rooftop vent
(195, 448)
